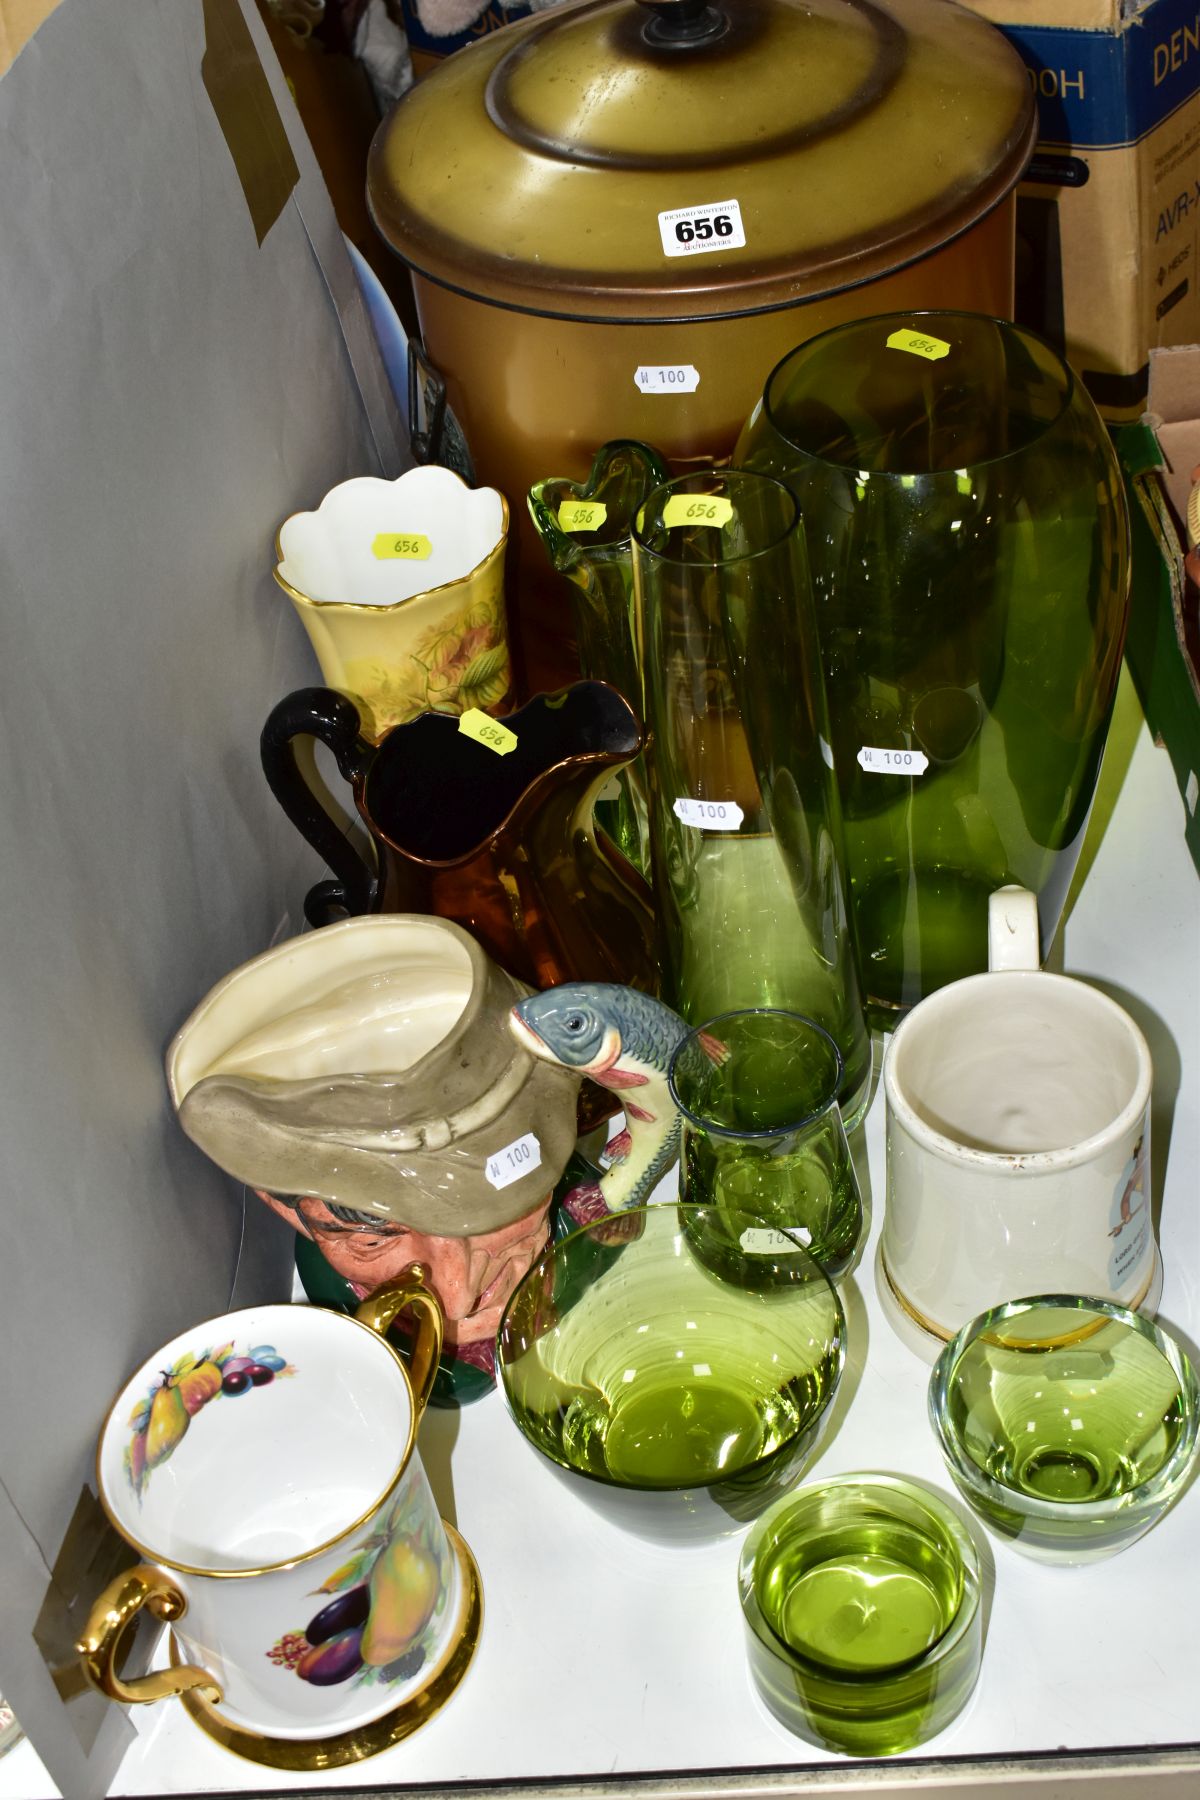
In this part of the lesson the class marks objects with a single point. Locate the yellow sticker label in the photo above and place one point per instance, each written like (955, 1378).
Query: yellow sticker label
(497, 737)
(401, 546)
(697, 509)
(917, 343)
(582, 515)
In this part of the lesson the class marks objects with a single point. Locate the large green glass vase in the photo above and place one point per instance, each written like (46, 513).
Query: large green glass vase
(968, 543)
(748, 886)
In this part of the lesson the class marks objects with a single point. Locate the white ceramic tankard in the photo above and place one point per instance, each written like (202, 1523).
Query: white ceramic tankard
(1018, 1144)
(264, 1468)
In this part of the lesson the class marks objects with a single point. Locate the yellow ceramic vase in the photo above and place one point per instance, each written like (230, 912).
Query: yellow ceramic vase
(400, 585)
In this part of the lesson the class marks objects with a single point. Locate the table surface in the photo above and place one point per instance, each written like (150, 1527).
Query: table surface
(603, 1656)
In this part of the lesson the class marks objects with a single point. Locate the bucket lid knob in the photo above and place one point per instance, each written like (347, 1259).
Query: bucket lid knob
(683, 24)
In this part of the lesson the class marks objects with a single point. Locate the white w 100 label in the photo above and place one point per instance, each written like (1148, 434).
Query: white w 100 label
(761, 1240)
(709, 815)
(666, 378)
(519, 1158)
(694, 230)
(892, 762)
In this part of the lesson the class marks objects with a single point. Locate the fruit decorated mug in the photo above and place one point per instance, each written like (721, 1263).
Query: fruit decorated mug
(264, 1468)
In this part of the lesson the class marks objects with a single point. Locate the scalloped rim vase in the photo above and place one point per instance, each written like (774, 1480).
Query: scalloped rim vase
(400, 587)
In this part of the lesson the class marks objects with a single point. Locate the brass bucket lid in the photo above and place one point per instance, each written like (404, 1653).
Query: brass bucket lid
(688, 159)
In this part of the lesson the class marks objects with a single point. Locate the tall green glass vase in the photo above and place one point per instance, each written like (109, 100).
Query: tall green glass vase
(968, 542)
(748, 887)
(585, 530)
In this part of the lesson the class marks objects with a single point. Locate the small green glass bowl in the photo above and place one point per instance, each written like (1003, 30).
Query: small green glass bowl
(861, 1600)
(1068, 1424)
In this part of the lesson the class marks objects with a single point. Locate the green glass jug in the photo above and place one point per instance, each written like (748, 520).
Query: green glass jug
(584, 528)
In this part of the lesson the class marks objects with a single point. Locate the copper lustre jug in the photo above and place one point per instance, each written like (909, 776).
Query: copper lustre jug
(485, 822)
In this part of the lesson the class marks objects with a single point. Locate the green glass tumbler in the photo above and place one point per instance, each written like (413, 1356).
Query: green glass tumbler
(585, 529)
(677, 1382)
(748, 915)
(861, 1601)
(1070, 1425)
(967, 537)
(763, 1142)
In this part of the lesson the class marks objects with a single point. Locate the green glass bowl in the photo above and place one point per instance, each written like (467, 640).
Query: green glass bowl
(677, 1378)
(1068, 1424)
(861, 1600)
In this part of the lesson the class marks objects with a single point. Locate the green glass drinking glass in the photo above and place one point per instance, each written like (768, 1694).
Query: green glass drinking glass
(678, 1382)
(585, 529)
(763, 1144)
(861, 1601)
(967, 538)
(1068, 1424)
(748, 915)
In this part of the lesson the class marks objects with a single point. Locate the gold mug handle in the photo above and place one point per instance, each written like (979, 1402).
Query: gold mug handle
(411, 1288)
(119, 1604)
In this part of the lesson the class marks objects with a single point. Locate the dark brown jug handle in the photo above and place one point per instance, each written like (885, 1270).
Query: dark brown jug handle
(332, 719)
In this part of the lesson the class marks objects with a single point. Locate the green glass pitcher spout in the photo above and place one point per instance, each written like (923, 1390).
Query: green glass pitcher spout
(585, 528)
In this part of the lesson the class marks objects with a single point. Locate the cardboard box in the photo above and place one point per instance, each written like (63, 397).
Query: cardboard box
(1163, 646)
(1108, 219)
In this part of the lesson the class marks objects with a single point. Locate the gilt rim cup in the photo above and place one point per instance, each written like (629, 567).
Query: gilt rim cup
(286, 1317)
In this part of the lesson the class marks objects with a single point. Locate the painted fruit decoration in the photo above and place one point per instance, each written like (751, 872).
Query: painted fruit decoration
(387, 1601)
(161, 1419)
